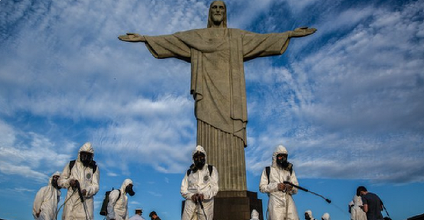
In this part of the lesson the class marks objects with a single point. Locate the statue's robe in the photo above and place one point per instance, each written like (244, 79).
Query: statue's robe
(218, 88)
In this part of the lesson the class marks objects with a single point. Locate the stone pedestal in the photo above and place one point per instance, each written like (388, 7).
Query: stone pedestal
(226, 152)
(236, 205)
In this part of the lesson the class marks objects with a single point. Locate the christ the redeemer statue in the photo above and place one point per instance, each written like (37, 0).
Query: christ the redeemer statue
(216, 54)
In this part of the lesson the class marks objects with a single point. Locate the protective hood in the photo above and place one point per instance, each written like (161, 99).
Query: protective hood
(125, 184)
(199, 149)
(357, 200)
(254, 215)
(326, 216)
(279, 150)
(46, 201)
(85, 148)
(309, 213)
(57, 173)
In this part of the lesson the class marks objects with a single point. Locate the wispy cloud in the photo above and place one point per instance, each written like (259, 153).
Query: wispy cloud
(111, 174)
(134, 203)
(342, 94)
(23, 190)
(26, 158)
(83, 78)
(355, 102)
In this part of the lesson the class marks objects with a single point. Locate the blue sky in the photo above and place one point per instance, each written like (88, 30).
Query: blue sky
(347, 102)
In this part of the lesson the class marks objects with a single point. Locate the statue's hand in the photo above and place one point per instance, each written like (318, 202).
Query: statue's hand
(302, 31)
(132, 37)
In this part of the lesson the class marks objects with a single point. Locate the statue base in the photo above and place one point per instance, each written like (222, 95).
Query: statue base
(236, 205)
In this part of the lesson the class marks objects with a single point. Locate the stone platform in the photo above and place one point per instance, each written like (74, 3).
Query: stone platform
(236, 205)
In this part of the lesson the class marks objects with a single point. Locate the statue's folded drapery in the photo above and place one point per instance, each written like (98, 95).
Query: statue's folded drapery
(218, 88)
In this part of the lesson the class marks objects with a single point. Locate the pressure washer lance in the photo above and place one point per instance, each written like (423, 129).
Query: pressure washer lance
(306, 190)
(201, 206)
(327, 200)
(82, 199)
(79, 191)
(386, 211)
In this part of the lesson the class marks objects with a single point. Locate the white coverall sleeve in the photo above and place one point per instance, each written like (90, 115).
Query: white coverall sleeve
(264, 187)
(38, 201)
(184, 188)
(93, 188)
(213, 188)
(64, 177)
(113, 198)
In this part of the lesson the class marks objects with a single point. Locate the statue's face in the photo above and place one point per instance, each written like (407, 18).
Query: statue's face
(217, 12)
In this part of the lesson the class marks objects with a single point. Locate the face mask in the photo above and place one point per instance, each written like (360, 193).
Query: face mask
(129, 190)
(54, 182)
(282, 160)
(200, 164)
(199, 160)
(86, 158)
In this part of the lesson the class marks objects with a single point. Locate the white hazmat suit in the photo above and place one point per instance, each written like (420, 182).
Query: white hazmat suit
(74, 209)
(254, 215)
(200, 182)
(280, 204)
(137, 217)
(309, 213)
(356, 212)
(46, 200)
(326, 216)
(117, 208)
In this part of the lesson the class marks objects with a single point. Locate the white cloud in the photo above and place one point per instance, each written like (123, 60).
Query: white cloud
(134, 203)
(148, 142)
(374, 71)
(23, 190)
(7, 137)
(353, 109)
(63, 62)
(302, 4)
(111, 174)
(20, 170)
(27, 152)
(69, 67)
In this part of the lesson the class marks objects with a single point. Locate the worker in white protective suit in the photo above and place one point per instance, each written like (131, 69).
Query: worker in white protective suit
(254, 215)
(308, 215)
(81, 178)
(325, 216)
(356, 211)
(46, 200)
(137, 216)
(199, 186)
(117, 208)
(277, 182)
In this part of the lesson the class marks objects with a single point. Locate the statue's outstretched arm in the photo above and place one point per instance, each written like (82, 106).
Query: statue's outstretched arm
(302, 32)
(132, 37)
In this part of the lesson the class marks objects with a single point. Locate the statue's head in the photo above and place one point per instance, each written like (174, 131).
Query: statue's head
(217, 15)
